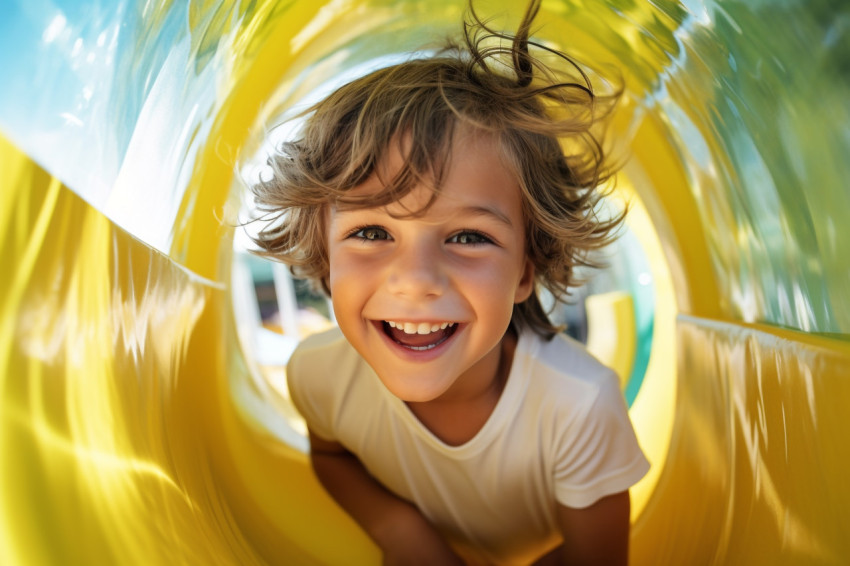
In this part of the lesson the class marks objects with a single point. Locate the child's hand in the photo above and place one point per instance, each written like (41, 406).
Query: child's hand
(422, 557)
(409, 539)
(424, 549)
(401, 531)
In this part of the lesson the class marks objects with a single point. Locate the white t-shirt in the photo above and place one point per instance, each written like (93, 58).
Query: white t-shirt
(560, 432)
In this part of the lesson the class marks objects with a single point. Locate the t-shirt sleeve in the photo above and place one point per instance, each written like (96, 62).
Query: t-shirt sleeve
(599, 454)
(305, 390)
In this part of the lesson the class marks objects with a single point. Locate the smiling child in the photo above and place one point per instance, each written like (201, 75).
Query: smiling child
(433, 200)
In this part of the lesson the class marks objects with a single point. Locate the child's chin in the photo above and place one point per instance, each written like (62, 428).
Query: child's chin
(413, 394)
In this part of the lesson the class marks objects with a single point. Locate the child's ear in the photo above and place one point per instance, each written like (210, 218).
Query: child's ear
(526, 282)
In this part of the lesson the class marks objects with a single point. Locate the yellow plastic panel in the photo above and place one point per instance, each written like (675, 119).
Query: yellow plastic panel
(105, 388)
(611, 331)
(759, 455)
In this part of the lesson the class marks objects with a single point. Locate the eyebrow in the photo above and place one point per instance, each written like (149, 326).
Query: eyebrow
(469, 210)
(491, 212)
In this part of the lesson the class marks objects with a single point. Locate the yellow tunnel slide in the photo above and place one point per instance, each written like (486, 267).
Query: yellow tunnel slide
(139, 425)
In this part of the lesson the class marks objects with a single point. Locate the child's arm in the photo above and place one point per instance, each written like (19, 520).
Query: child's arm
(396, 526)
(597, 535)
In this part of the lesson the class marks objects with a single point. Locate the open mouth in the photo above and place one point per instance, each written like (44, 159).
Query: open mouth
(419, 336)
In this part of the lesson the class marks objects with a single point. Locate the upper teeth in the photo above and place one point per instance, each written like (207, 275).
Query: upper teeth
(419, 328)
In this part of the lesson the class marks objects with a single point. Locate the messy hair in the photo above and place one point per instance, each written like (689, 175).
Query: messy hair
(537, 102)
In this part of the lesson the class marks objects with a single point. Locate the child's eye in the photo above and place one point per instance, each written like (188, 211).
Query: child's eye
(371, 233)
(469, 238)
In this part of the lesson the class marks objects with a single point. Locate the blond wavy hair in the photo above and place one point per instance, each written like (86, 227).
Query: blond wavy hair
(536, 101)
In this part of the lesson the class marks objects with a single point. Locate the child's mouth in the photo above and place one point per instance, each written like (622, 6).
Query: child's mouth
(419, 336)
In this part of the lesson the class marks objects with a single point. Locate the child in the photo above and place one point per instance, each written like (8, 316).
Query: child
(447, 415)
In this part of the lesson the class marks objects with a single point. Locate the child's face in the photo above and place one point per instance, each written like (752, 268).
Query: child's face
(462, 263)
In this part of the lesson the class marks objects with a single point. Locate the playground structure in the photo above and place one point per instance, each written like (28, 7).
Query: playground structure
(133, 426)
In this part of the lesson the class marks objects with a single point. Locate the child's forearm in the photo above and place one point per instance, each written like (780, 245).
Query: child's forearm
(374, 508)
(396, 526)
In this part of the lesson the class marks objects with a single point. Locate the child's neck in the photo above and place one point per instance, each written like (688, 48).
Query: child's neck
(457, 419)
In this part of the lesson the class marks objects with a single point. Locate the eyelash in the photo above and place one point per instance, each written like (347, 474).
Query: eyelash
(356, 233)
(359, 234)
(483, 238)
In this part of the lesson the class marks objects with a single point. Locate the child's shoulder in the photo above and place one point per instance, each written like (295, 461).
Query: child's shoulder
(330, 338)
(567, 384)
(562, 366)
(322, 368)
(324, 348)
(568, 355)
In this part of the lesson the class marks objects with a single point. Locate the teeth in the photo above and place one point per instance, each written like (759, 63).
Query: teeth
(419, 328)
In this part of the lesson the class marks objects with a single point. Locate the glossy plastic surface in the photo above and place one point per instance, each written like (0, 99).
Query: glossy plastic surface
(131, 428)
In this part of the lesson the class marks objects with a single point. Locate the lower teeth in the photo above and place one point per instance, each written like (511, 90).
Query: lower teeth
(426, 347)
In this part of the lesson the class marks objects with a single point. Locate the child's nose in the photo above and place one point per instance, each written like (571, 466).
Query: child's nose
(417, 273)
